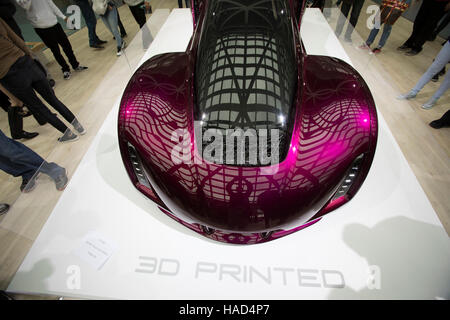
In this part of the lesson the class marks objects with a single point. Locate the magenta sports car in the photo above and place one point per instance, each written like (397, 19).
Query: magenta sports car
(245, 138)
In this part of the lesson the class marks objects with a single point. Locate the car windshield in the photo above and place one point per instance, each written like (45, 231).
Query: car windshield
(246, 71)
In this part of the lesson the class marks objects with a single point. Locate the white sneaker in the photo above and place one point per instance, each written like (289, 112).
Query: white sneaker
(120, 50)
(407, 96)
(429, 104)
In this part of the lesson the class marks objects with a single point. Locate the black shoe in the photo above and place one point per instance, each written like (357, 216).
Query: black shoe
(26, 135)
(412, 52)
(435, 78)
(101, 41)
(403, 47)
(123, 35)
(4, 208)
(52, 83)
(437, 124)
(97, 46)
(28, 185)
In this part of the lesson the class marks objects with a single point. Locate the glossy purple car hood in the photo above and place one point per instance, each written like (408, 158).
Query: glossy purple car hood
(333, 122)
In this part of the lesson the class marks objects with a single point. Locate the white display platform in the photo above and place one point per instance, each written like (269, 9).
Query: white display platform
(389, 230)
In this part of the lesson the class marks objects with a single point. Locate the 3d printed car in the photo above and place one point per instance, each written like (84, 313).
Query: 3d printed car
(196, 128)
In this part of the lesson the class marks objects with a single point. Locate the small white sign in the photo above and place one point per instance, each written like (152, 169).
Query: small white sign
(95, 250)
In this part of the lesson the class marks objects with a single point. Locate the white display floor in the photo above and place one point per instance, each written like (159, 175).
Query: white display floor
(105, 240)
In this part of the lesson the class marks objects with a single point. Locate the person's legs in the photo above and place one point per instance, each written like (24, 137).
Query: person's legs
(14, 119)
(91, 21)
(65, 44)
(180, 3)
(442, 88)
(356, 11)
(19, 82)
(17, 159)
(417, 25)
(372, 36)
(50, 40)
(435, 11)
(345, 8)
(110, 20)
(440, 61)
(138, 14)
(123, 32)
(385, 35)
(188, 3)
(40, 84)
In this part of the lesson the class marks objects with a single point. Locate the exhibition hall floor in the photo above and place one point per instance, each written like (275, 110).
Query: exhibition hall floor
(425, 149)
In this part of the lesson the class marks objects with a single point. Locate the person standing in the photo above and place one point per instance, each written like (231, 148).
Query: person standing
(108, 13)
(356, 6)
(390, 11)
(91, 23)
(440, 61)
(137, 8)
(43, 17)
(17, 160)
(20, 76)
(430, 12)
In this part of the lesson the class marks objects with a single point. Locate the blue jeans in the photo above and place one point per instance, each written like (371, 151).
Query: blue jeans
(384, 36)
(111, 22)
(439, 63)
(17, 159)
(90, 18)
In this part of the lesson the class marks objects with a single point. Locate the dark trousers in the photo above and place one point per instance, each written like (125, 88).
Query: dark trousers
(22, 79)
(121, 27)
(17, 160)
(90, 19)
(54, 37)
(356, 7)
(138, 14)
(15, 120)
(427, 18)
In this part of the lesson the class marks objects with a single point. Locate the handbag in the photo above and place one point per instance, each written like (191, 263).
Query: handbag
(391, 10)
(99, 6)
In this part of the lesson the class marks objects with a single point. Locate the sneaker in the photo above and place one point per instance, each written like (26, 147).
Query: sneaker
(376, 50)
(120, 49)
(4, 208)
(407, 96)
(69, 136)
(61, 180)
(80, 68)
(28, 185)
(429, 104)
(79, 127)
(66, 75)
(364, 46)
